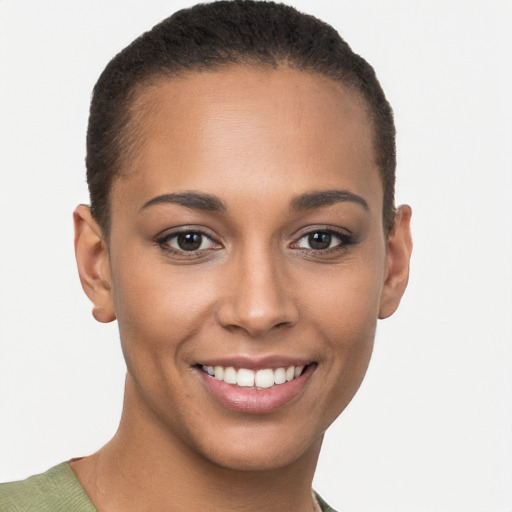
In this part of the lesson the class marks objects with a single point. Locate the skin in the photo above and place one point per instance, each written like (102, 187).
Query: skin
(256, 139)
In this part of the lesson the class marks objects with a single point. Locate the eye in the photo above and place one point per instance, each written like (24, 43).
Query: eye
(321, 240)
(187, 241)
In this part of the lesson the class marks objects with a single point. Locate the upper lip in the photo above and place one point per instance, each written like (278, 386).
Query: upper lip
(256, 363)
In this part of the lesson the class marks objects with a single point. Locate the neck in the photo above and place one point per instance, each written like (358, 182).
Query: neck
(146, 467)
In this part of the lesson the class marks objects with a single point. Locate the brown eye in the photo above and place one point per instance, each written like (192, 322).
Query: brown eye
(189, 241)
(319, 240)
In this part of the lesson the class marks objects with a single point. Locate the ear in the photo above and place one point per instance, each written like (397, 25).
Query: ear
(398, 255)
(93, 263)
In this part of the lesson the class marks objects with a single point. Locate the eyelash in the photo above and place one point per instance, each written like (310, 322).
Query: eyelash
(344, 240)
(165, 240)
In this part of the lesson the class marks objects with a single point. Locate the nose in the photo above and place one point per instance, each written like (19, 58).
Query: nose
(258, 295)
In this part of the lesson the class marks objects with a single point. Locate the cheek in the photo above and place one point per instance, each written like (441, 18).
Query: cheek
(159, 309)
(344, 302)
(345, 316)
(343, 308)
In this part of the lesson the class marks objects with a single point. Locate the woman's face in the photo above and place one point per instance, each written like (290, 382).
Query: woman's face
(247, 242)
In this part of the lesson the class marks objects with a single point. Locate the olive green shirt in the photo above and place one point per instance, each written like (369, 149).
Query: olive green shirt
(58, 490)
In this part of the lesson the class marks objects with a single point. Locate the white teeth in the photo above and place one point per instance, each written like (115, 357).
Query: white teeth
(245, 378)
(264, 378)
(219, 372)
(280, 376)
(229, 375)
(260, 379)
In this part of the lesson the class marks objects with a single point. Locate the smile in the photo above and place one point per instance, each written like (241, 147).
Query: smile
(264, 378)
(256, 387)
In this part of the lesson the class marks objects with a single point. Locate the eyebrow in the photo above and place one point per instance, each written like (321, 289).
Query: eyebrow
(210, 203)
(317, 199)
(195, 200)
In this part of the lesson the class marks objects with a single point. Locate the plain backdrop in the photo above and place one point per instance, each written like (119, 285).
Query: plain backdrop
(431, 427)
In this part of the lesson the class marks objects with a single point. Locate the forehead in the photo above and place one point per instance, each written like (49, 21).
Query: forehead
(254, 129)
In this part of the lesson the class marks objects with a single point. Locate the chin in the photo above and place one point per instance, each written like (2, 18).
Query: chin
(255, 451)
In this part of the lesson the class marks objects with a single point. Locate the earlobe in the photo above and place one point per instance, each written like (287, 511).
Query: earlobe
(93, 264)
(399, 249)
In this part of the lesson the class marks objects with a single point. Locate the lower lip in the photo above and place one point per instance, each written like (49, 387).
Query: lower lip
(255, 401)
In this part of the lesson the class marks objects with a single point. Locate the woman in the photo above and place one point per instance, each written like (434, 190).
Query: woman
(242, 231)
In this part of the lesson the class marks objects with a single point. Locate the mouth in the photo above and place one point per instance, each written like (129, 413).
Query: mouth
(264, 378)
(262, 389)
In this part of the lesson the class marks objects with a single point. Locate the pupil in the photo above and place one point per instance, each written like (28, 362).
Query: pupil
(320, 240)
(189, 241)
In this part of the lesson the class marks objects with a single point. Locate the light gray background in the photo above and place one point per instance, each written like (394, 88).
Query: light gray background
(431, 427)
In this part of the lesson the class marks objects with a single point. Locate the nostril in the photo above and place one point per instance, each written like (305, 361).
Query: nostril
(262, 304)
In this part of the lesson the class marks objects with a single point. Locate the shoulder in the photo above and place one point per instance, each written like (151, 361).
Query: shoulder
(56, 490)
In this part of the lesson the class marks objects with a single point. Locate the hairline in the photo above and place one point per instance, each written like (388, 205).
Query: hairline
(138, 109)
